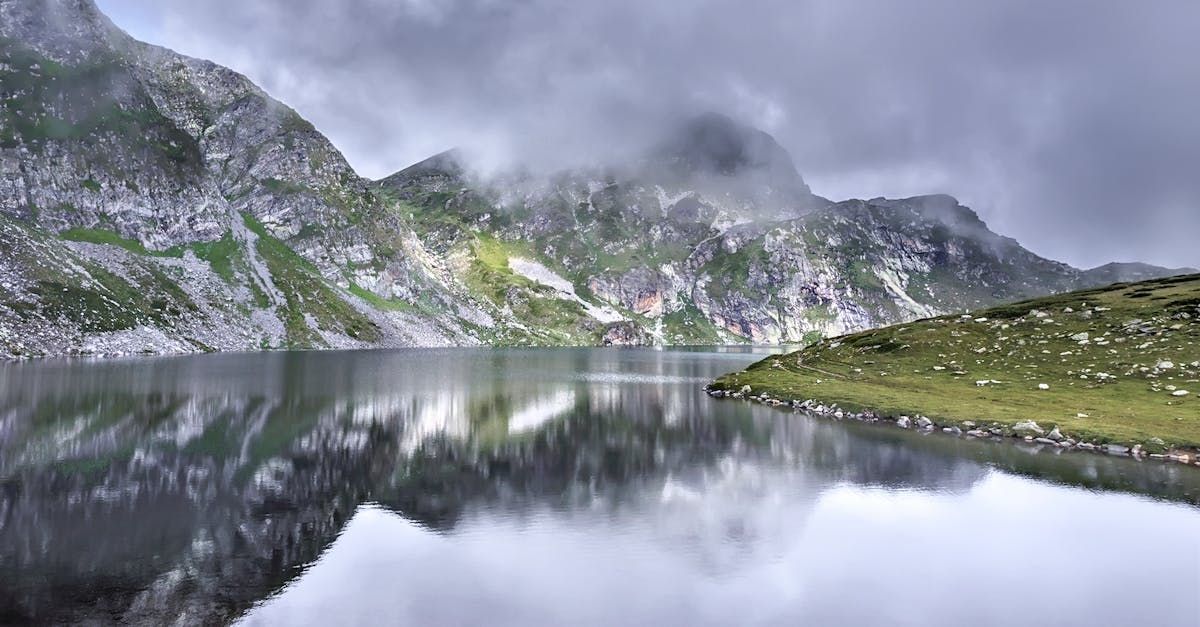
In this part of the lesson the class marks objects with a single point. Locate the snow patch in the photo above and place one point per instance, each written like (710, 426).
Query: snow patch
(539, 273)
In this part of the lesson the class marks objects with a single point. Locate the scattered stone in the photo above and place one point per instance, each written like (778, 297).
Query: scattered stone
(1116, 449)
(1043, 386)
(1078, 337)
(1165, 365)
(903, 422)
(746, 389)
(1046, 441)
(1180, 393)
(924, 422)
(953, 430)
(1055, 435)
(1028, 427)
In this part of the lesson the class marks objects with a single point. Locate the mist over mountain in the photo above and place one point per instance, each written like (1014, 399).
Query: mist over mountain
(153, 202)
(1067, 126)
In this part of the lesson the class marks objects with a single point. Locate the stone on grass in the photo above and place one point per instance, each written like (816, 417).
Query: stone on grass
(1028, 427)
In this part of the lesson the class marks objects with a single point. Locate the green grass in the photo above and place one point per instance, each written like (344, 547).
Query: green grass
(931, 366)
(378, 302)
(307, 294)
(220, 254)
(555, 320)
(110, 238)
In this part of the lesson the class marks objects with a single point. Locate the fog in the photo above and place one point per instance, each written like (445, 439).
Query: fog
(1070, 126)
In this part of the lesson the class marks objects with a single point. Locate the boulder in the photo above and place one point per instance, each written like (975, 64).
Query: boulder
(1027, 428)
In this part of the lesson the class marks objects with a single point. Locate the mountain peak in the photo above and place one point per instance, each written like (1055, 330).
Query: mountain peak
(63, 30)
(713, 143)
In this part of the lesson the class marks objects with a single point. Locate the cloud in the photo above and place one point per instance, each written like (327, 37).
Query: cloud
(1068, 125)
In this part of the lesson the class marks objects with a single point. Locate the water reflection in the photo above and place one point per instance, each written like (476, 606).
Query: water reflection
(148, 490)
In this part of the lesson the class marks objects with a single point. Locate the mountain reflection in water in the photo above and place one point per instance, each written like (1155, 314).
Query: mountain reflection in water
(148, 490)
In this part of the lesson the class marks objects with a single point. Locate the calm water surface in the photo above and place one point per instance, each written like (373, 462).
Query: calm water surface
(582, 487)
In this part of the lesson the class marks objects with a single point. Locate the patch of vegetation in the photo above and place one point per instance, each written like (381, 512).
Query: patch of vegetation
(280, 186)
(1118, 364)
(110, 238)
(221, 255)
(379, 302)
(558, 321)
(730, 271)
(689, 326)
(307, 294)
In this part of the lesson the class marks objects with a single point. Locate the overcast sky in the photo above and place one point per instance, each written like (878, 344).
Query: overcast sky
(1073, 126)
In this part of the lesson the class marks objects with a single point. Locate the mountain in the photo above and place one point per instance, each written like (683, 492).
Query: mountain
(151, 202)
(1130, 272)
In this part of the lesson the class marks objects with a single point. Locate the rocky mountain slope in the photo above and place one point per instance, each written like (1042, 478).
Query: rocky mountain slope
(150, 202)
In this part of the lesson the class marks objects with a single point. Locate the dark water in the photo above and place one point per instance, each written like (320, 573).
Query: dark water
(548, 487)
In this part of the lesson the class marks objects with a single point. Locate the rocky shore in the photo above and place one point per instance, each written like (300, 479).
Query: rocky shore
(1026, 431)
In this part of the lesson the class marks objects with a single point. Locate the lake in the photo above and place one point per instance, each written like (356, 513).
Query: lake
(555, 486)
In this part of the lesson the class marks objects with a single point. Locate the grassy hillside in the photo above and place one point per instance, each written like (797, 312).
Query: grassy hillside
(1118, 364)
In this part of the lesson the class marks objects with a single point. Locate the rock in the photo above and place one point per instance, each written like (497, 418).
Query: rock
(1043, 386)
(1165, 365)
(1055, 434)
(1046, 441)
(952, 430)
(977, 433)
(746, 390)
(1028, 427)
(1180, 393)
(903, 422)
(1079, 337)
(1116, 449)
(924, 422)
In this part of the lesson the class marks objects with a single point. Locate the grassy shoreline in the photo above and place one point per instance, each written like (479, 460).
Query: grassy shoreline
(1114, 368)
